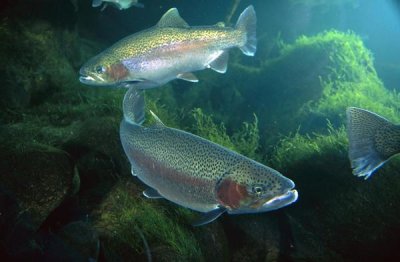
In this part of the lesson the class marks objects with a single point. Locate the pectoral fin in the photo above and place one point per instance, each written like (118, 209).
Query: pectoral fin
(133, 171)
(188, 77)
(220, 64)
(139, 84)
(152, 193)
(209, 217)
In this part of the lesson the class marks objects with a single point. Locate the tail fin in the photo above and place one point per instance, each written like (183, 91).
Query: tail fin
(247, 23)
(133, 106)
(96, 3)
(372, 141)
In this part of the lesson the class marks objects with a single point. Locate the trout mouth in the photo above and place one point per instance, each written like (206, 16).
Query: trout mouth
(281, 200)
(89, 77)
(265, 204)
(276, 202)
(92, 80)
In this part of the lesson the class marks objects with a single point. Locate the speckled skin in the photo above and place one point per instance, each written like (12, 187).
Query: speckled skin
(197, 173)
(159, 54)
(372, 140)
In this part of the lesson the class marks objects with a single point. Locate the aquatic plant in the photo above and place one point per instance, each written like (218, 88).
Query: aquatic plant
(163, 103)
(124, 213)
(297, 148)
(245, 140)
(205, 127)
(350, 78)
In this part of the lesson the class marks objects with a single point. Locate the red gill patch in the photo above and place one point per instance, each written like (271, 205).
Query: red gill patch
(117, 71)
(230, 193)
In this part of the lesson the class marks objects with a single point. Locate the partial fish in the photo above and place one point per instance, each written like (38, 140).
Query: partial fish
(372, 141)
(171, 49)
(120, 4)
(196, 173)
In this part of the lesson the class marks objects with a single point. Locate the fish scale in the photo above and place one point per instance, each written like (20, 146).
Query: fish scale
(170, 50)
(197, 173)
(372, 141)
(176, 165)
(149, 41)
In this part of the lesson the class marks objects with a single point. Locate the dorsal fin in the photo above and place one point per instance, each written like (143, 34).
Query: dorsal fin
(171, 18)
(158, 122)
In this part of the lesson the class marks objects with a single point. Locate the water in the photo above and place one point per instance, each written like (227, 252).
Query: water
(65, 185)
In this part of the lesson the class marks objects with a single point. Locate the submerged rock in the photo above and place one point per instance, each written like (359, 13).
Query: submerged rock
(38, 179)
(83, 238)
(76, 241)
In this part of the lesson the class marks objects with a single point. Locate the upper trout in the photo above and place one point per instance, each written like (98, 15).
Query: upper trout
(196, 173)
(169, 50)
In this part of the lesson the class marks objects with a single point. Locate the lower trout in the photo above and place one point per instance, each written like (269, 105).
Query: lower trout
(196, 173)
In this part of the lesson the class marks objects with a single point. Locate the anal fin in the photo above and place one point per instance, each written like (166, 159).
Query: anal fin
(188, 77)
(152, 193)
(220, 64)
(209, 217)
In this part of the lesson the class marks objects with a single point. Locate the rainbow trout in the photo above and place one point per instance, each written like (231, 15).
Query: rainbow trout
(372, 141)
(171, 49)
(196, 173)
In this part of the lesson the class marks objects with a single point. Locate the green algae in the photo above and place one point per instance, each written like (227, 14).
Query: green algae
(350, 79)
(205, 127)
(124, 214)
(294, 149)
(245, 140)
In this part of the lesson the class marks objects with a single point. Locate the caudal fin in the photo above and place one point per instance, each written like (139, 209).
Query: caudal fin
(96, 3)
(372, 141)
(247, 23)
(133, 106)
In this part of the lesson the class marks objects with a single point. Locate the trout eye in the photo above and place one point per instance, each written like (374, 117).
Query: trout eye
(257, 190)
(100, 69)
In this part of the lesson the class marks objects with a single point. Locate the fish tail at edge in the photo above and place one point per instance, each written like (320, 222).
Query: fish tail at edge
(247, 24)
(372, 141)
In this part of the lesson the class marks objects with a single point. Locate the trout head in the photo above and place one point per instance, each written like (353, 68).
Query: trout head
(103, 70)
(253, 188)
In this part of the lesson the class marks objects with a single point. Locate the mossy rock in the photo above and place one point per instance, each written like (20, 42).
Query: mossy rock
(132, 227)
(256, 237)
(39, 176)
(82, 237)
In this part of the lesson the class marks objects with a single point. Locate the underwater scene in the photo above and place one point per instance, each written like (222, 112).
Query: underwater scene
(231, 130)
